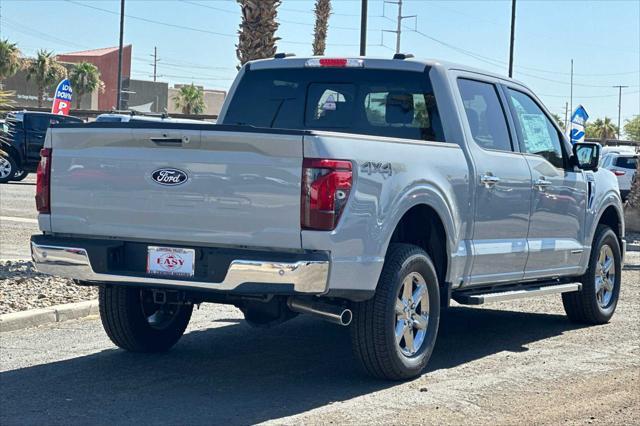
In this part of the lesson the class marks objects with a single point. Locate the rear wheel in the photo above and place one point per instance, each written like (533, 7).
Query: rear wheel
(597, 301)
(394, 333)
(7, 167)
(134, 322)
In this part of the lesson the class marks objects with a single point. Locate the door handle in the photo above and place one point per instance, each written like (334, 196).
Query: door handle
(165, 140)
(541, 184)
(489, 180)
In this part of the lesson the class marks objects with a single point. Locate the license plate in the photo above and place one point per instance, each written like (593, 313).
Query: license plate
(170, 261)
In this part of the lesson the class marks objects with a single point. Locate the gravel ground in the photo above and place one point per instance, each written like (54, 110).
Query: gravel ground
(22, 288)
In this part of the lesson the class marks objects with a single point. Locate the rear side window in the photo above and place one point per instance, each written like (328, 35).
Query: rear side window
(485, 115)
(364, 101)
(626, 162)
(39, 122)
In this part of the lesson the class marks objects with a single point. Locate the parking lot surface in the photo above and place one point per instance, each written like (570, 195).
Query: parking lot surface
(516, 362)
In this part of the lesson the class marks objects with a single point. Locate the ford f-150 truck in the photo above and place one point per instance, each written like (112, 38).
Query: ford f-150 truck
(368, 192)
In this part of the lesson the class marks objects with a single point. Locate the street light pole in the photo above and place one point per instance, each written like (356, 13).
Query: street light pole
(119, 94)
(513, 36)
(363, 28)
(619, 105)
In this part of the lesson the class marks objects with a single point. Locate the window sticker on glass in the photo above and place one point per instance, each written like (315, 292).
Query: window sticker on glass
(536, 133)
(329, 104)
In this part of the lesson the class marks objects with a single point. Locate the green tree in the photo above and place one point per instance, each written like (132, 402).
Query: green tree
(559, 120)
(85, 78)
(256, 37)
(10, 59)
(190, 99)
(602, 129)
(45, 70)
(632, 128)
(322, 11)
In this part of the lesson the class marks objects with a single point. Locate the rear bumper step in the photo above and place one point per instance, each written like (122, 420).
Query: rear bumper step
(243, 275)
(480, 298)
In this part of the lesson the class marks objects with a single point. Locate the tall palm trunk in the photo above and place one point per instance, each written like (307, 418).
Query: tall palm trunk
(256, 37)
(40, 96)
(322, 11)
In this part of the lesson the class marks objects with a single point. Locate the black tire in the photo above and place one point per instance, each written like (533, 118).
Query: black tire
(19, 175)
(583, 306)
(127, 325)
(375, 320)
(7, 167)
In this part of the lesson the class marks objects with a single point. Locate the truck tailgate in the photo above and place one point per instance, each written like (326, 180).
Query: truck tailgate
(241, 187)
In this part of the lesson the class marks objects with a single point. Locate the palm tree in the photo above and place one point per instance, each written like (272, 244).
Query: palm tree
(190, 99)
(322, 11)
(10, 60)
(45, 70)
(256, 37)
(85, 78)
(558, 120)
(602, 129)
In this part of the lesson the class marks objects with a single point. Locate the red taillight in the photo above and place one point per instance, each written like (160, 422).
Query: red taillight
(43, 182)
(325, 190)
(618, 172)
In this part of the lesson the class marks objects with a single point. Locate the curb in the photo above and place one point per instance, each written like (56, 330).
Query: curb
(35, 317)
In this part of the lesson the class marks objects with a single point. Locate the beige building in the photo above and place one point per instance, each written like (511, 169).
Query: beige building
(213, 99)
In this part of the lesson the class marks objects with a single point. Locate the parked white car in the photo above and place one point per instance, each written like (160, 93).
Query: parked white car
(622, 163)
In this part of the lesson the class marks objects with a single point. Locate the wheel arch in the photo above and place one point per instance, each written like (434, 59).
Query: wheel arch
(423, 225)
(612, 216)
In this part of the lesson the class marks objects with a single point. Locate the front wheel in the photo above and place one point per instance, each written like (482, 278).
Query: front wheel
(7, 167)
(134, 322)
(597, 301)
(20, 175)
(393, 334)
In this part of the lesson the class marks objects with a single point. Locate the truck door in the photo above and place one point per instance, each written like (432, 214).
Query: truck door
(559, 193)
(502, 186)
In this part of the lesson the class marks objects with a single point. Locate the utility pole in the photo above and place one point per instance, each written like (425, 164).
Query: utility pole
(119, 94)
(571, 94)
(513, 36)
(400, 18)
(155, 62)
(566, 116)
(363, 28)
(619, 87)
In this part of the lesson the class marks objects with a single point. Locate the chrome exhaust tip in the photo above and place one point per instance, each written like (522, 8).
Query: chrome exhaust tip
(326, 311)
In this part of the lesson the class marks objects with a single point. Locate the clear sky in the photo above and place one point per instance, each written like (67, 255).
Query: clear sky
(196, 39)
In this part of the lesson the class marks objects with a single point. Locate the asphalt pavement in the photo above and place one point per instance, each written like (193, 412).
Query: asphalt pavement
(515, 362)
(18, 218)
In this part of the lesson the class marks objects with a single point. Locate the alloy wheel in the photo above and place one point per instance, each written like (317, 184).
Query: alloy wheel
(412, 314)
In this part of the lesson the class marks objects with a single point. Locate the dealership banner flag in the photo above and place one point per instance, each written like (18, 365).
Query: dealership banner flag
(62, 99)
(578, 123)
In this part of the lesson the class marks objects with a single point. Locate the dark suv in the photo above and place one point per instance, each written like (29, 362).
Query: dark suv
(22, 138)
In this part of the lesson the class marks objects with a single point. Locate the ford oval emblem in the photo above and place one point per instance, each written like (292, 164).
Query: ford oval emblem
(170, 177)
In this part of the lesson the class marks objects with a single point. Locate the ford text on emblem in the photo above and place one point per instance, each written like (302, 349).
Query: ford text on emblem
(169, 176)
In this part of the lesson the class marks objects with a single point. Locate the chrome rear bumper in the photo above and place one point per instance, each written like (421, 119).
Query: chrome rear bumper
(304, 276)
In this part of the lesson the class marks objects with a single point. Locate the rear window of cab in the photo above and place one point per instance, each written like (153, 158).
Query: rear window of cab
(363, 101)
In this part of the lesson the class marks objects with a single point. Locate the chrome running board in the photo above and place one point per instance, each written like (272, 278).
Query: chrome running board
(479, 298)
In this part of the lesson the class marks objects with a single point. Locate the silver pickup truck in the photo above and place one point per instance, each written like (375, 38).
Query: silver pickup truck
(368, 192)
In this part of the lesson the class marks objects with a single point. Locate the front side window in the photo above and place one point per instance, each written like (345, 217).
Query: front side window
(537, 133)
(485, 115)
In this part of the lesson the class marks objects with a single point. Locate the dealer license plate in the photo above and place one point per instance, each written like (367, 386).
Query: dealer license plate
(170, 261)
